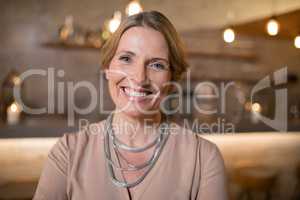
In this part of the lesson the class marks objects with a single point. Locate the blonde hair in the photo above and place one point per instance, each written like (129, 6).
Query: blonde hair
(158, 22)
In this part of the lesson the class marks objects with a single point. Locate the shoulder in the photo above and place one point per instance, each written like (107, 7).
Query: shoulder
(210, 158)
(189, 141)
(207, 148)
(71, 141)
(74, 145)
(186, 136)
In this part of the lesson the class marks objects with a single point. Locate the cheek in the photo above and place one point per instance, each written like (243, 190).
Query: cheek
(162, 81)
(113, 89)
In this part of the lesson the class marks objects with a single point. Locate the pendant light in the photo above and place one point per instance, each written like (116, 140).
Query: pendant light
(229, 35)
(297, 41)
(273, 26)
(114, 22)
(134, 7)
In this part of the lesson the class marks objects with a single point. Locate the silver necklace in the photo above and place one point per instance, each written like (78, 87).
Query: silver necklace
(119, 144)
(132, 167)
(125, 147)
(149, 164)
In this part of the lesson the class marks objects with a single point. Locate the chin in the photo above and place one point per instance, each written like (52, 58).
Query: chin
(133, 112)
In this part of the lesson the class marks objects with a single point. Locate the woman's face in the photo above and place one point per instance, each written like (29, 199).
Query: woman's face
(139, 72)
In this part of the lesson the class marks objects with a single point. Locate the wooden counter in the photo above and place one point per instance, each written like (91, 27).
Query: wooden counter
(21, 160)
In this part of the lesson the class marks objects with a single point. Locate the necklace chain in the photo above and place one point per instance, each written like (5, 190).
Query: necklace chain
(159, 142)
(125, 147)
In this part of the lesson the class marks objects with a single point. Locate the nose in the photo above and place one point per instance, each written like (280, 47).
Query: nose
(140, 74)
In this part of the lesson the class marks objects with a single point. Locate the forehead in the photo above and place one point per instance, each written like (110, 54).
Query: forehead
(143, 41)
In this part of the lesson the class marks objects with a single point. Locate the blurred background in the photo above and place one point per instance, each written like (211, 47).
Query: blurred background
(231, 46)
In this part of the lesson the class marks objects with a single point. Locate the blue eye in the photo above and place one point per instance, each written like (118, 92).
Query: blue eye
(157, 66)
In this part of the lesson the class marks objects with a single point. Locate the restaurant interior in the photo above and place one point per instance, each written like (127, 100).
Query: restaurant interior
(244, 59)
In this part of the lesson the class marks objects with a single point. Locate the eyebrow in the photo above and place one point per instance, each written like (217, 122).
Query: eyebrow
(127, 52)
(151, 59)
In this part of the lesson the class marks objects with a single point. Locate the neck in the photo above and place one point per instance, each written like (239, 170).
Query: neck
(136, 131)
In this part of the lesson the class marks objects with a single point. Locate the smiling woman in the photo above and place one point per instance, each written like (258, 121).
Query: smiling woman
(137, 153)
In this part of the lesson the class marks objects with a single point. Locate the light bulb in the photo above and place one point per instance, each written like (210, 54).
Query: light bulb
(272, 27)
(14, 107)
(17, 80)
(228, 35)
(134, 7)
(115, 22)
(256, 107)
(297, 41)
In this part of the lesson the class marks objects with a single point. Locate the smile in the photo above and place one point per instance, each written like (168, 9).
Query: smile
(131, 92)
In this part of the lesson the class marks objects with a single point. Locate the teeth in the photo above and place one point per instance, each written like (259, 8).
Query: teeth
(134, 93)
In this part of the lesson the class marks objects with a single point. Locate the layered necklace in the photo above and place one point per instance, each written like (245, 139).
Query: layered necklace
(110, 138)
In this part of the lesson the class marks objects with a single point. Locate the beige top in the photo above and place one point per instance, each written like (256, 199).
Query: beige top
(189, 168)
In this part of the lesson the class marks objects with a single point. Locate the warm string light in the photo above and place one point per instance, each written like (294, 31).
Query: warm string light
(273, 27)
(134, 7)
(229, 35)
(115, 22)
(297, 41)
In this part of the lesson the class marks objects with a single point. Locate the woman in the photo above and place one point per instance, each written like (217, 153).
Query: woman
(136, 153)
